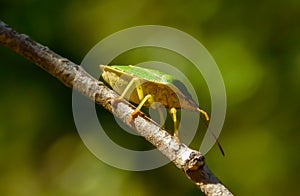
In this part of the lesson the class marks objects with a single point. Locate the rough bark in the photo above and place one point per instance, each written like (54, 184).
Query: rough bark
(190, 161)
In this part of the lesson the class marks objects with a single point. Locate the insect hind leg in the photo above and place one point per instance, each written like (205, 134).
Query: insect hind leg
(173, 112)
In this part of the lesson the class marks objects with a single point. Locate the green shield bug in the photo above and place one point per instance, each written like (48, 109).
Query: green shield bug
(150, 86)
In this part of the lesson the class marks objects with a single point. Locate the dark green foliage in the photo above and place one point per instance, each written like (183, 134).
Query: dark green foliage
(256, 45)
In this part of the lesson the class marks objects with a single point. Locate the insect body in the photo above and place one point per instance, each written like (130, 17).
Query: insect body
(150, 86)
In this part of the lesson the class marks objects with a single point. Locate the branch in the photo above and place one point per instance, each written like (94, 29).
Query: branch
(190, 161)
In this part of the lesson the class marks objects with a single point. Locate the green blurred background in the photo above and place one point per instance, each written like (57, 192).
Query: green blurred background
(255, 44)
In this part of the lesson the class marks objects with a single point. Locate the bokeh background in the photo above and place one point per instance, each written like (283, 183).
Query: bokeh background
(256, 45)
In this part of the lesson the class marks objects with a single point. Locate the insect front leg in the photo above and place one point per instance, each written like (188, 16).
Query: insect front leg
(130, 84)
(125, 91)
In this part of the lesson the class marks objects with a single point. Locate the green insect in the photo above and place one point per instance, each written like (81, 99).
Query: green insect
(150, 86)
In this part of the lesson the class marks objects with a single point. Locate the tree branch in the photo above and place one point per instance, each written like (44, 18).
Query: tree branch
(190, 161)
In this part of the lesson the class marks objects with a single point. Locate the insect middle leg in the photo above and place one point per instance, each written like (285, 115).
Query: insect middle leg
(142, 98)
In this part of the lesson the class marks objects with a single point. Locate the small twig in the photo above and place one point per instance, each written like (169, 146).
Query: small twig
(190, 161)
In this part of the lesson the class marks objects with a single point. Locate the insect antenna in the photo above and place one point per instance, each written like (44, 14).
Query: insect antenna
(204, 113)
(213, 134)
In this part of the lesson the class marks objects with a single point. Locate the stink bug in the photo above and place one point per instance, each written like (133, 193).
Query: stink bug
(150, 86)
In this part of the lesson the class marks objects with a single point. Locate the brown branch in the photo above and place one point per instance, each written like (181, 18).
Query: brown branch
(190, 161)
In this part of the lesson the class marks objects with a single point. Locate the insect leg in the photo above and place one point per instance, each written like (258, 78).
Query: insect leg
(128, 87)
(174, 118)
(161, 116)
(143, 99)
(123, 95)
(138, 108)
(139, 89)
